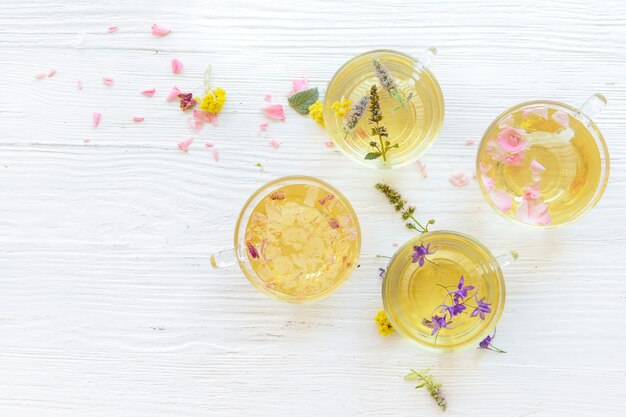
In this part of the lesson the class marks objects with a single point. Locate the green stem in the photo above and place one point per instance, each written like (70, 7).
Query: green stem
(382, 151)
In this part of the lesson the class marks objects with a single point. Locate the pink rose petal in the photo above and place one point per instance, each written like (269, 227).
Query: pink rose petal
(512, 139)
(536, 169)
(195, 124)
(513, 159)
(79, 84)
(177, 66)
(484, 168)
(298, 85)
(329, 144)
(216, 154)
(274, 111)
(173, 94)
(488, 182)
(40, 75)
(138, 119)
(52, 72)
(422, 168)
(209, 145)
(532, 192)
(158, 30)
(508, 121)
(459, 179)
(107, 80)
(95, 118)
(501, 199)
(274, 143)
(561, 118)
(263, 126)
(205, 116)
(538, 111)
(184, 145)
(532, 212)
(149, 92)
(86, 141)
(394, 244)
(469, 142)
(268, 97)
(113, 28)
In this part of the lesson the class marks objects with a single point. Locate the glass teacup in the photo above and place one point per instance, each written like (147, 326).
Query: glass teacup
(445, 290)
(411, 106)
(297, 239)
(544, 163)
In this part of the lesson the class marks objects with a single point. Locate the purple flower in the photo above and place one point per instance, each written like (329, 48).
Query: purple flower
(455, 309)
(481, 308)
(420, 253)
(484, 344)
(437, 323)
(461, 291)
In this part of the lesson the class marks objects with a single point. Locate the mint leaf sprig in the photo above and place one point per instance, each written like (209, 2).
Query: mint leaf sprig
(401, 206)
(426, 381)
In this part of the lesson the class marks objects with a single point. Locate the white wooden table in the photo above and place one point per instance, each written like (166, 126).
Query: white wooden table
(108, 305)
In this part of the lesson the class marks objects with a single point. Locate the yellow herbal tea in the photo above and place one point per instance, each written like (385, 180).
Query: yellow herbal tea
(540, 165)
(410, 109)
(302, 241)
(444, 290)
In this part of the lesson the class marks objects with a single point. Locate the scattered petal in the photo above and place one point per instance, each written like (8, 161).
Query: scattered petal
(184, 145)
(298, 85)
(329, 144)
(536, 169)
(138, 119)
(51, 72)
(177, 66)
(205, 116)
(107, 80)
(263, 126)
(40, 75)
(459, 179)
(149, 92)
(274, 111)
(209, 145)
(216, 154)
(561, 118)
(158, 30)
(86, 141)
(173, 94)
(534, 213)
(187, 101)
(501, 199)
(532, 192)
(195, 124)
(113, 28)
(274, 143)
(422, 168)
(484, 168)
(469, 142)
(488, 182)
(79, 84)
(394, 244)
(268, 97)
(95, 118)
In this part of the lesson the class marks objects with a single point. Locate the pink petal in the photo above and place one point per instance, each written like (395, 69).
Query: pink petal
(113, 28)
(484, 168)
(149, 92)
(394, 244)
(40, 75)
(534, 213)
(52, 72)
(205, 116)
(173, 94)
(469, 142)
(508, 121)
(196, 124)
(216, 154)
(539, 111)
(184, 145)
(158, 30)
(532, 192)
(177, 66)
(501, 199)
(209, 145)
(79, 84)
(95, 118)
(107, 80)
(274, 111)
(263, 126)
(536, 169)
(459, 179)
(298, 85)
(422, 168)
(138, 119)
(329, 144)
(488, 182)
(274, 143)
(561, 118)
(86, 141)
(268, 97)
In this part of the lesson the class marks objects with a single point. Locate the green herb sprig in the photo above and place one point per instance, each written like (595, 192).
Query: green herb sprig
(383, 145)
(401, 206)
(426, 381)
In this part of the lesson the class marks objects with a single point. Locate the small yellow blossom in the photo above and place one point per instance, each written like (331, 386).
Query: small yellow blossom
(316, 113)
(213, 101)
(341, 107)
(384, 326)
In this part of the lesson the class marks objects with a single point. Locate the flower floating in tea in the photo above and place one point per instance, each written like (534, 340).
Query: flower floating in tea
(386, 80)
(383, 145)
(481, 308)
(426, 381)
(420, 252)
(355, 115)
(400, 205)
(341, 107)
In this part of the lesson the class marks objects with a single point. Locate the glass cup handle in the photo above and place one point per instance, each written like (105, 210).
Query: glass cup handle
(224, 258)
(426, 59)
(591, 108)
(507, 259)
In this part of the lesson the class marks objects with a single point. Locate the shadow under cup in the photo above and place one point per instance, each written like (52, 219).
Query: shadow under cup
(297, 239)
(414, 293)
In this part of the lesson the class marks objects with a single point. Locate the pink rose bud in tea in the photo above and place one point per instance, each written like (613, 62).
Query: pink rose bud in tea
(511, 139)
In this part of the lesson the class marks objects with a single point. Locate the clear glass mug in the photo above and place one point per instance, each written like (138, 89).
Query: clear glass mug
(297, 239)
(445, 290)
(544, 163)
(411, 104)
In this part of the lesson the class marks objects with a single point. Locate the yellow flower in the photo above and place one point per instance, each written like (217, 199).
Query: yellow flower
(213, 101)
(316, 113)
(384, 326)
(341, 107)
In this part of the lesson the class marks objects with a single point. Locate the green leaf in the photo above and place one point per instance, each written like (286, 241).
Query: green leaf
(394, 146)
(303, 100)
(372, 155)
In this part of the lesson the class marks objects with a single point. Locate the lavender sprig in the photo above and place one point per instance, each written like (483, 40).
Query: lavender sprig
(356, 114)
(400, 205)
(386, 80)
(434, 388)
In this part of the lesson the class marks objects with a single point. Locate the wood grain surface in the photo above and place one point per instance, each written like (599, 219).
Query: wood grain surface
(108, 304)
